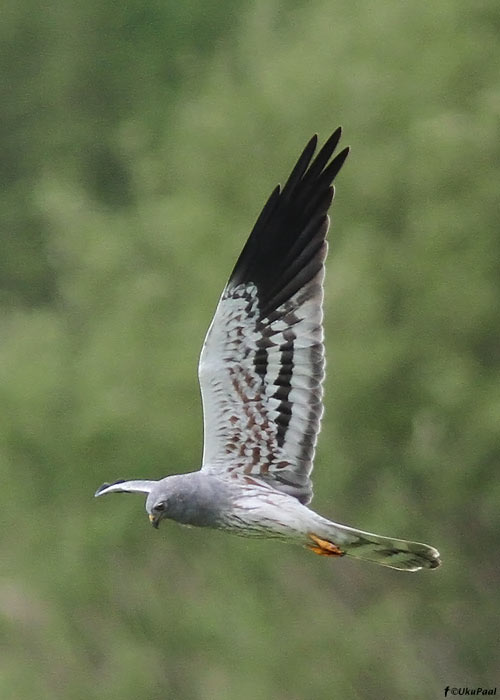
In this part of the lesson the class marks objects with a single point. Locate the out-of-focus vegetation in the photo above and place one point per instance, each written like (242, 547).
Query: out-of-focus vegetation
(139, 141)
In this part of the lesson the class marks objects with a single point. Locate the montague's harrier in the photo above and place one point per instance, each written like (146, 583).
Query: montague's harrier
(261, 372)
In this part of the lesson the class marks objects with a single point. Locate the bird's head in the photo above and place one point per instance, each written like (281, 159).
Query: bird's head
(185, 498)
(156, 507)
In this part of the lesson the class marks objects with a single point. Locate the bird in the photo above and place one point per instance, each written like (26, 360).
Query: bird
(261, 373)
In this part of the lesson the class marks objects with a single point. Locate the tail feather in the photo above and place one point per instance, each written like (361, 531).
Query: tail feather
(396, 554)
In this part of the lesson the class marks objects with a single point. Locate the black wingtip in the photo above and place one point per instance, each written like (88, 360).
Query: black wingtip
(435, 563)
(106, 485)
(278, 247)
(332, 142)
(345, 150)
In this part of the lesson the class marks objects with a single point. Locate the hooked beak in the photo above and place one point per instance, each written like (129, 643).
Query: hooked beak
(154, 521)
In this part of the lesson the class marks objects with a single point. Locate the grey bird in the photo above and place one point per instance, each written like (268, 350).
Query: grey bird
(261, 372)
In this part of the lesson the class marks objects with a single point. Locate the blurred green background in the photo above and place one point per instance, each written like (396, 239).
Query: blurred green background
(139, 141)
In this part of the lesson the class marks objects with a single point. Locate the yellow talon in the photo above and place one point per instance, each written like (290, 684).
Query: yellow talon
(324, 547)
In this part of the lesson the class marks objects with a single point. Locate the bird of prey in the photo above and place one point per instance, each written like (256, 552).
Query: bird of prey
(261, 372)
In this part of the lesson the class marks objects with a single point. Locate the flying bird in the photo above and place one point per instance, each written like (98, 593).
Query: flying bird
(261, 372)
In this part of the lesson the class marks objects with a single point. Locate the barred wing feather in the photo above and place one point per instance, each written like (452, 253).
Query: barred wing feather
(262, 363)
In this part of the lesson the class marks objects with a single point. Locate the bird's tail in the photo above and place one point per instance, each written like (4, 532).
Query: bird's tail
(396, 554)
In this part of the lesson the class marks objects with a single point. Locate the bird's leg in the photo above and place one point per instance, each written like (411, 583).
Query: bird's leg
(324, 547)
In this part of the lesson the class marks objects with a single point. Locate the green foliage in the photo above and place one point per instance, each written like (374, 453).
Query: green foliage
(140, 141)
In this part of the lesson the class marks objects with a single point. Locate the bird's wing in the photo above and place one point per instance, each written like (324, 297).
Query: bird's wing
(262, 362)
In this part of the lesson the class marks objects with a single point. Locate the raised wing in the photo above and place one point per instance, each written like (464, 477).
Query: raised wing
(262, 362)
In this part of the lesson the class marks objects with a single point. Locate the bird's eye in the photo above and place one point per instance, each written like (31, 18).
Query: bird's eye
(159, 507)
